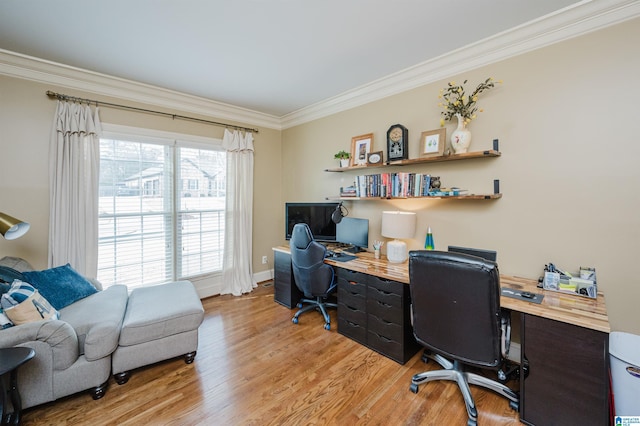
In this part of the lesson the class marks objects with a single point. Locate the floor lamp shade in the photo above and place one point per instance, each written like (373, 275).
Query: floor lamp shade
(398, 225)
(12, 228)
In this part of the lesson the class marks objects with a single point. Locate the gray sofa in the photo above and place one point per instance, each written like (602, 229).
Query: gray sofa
(73, 353)
(76, 352)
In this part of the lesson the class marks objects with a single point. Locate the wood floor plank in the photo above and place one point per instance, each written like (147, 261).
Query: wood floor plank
(255, 367)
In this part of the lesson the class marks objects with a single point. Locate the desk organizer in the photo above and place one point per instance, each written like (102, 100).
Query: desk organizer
(585, 286)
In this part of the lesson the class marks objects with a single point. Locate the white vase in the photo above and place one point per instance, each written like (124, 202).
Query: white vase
(344, 162)
(461, 137)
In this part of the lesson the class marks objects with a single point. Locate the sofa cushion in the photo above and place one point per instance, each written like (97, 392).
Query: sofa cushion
(97, 320)
(23, 303)
(61, 286)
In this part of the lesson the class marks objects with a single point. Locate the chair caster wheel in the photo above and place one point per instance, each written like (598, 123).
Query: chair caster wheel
(413, 388)
(514, 405)
(294, 320)
(472, 422)
(299, 305)
(327, 326)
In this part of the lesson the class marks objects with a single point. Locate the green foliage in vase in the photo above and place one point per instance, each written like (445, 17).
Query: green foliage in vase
(342, 155)
(454, 100)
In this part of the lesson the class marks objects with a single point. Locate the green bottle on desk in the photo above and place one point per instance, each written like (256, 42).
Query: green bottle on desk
(428, 243)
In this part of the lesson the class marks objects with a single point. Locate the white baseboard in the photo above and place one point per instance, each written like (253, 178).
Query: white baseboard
(263, 276)
(212, 285)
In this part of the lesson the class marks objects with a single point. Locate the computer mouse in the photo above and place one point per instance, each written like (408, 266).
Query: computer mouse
(337, 254)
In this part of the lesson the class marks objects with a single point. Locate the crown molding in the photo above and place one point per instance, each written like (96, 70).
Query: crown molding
(575, 20)
(39, 70)
(578, 19)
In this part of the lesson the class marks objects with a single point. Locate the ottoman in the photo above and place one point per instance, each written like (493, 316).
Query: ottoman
(161, 322)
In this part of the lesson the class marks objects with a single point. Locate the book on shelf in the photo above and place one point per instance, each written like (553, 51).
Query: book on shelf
(348, 191)
(447, 192)
(388, 185)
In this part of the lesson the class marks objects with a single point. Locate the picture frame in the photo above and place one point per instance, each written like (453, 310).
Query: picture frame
(374, 158)
(360, 148)
(433, 142)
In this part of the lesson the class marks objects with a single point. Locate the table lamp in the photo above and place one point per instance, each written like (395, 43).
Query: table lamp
(12, 228)
(398, 225)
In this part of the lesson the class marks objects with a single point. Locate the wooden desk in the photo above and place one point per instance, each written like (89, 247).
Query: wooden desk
(564, 346)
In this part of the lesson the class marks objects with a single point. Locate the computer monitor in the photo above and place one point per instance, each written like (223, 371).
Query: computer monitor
(485, 254)
(353, 232)
(316, 215)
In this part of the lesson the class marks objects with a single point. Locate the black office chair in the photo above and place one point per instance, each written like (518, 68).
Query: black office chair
(456, 315)
(315, 279)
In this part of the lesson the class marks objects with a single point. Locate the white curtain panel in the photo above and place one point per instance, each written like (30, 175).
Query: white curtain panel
(237, 269)
(74, 164)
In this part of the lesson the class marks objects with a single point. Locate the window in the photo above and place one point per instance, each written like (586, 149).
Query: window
(161, 210)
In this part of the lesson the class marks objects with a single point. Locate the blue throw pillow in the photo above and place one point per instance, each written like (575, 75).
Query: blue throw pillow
(61, 286)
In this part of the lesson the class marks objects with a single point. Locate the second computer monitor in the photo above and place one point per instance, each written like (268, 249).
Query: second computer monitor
(353, 231)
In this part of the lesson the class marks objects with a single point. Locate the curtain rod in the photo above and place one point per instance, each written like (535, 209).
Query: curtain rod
(62, 97)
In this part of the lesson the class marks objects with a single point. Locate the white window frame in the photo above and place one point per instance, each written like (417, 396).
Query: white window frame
(207, 284)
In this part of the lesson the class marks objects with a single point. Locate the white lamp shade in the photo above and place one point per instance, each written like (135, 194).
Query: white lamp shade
(398, 224)
(12, 228)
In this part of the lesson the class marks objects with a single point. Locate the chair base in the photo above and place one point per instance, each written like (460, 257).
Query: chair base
(315, 304)
(454, 371)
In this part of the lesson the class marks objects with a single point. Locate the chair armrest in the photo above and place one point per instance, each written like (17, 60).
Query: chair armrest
(59, 335)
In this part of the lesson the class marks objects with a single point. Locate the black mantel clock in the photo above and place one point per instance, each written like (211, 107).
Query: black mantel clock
(397, 143)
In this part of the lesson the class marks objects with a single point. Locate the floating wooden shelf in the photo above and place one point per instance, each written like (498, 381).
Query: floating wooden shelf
(446, 197)
(414, 161)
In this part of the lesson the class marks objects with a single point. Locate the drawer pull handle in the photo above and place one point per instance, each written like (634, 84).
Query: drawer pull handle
(386, 293)
(353, 324)
(384, 338)
(384, 304)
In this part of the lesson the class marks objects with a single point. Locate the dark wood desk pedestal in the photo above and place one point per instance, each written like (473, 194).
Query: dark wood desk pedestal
(285, 290)
(564, 340)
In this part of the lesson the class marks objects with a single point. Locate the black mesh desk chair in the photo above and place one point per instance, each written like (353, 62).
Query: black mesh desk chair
(315, 279)
(456, 316)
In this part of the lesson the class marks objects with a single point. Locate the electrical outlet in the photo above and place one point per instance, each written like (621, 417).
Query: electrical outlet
(264, 260)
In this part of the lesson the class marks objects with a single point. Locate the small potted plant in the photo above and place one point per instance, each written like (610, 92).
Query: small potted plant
(343, 156)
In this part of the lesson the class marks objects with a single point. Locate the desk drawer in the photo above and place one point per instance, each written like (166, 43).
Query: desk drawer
(390, 330)
(352, 323)
(353, 276)
(385, 311)
(385, 297)
(353, 295)
(386, 346)
(387, 286)
(386, 291)
(349, 313)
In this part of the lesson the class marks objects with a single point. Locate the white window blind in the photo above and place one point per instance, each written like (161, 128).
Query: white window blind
(161, 210)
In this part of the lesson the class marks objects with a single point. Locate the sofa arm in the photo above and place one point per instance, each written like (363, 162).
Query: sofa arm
(59, 335)
(97, 320)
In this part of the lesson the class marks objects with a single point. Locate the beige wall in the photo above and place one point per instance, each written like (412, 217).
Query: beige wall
(26, 115)
(567, 120)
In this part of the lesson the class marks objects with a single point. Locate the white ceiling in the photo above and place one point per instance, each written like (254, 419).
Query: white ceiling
(274, 57)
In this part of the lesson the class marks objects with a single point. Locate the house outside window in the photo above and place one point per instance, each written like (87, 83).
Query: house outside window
(161, 209)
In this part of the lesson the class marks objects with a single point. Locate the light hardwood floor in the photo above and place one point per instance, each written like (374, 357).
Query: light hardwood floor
(255, 367)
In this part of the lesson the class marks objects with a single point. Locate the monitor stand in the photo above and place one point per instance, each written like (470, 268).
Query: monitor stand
(352, 249)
